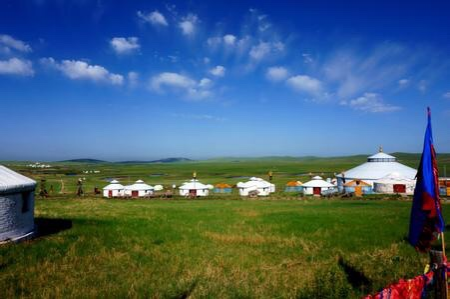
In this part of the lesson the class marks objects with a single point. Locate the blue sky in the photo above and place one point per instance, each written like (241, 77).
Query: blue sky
(144, 80)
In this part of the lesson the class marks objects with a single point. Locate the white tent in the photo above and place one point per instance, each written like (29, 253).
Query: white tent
(159, 187)
(16, 205)
(395, 183)
(114, 189)
(262, 187)
(194, 188)
(377, 166)
(138, 189)
(316, 186)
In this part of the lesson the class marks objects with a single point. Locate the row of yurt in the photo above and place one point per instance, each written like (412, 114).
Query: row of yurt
(377, 167)
(16, 205)
(255, 186)
(138, 189)
(293, 186)
(194, 188)
(317, 186)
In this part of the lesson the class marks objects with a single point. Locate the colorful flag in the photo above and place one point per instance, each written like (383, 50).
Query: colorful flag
(426, 218)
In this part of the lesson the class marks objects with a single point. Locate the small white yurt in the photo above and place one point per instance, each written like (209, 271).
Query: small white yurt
(194, 188)
(394, 183)
(258, 185)
(158, 187)
(316, 186)
(138, 189)
(114, 189)
(16, 205)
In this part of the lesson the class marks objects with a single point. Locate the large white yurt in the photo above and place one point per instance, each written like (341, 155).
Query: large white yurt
(194, 188)
(16, 205)
(377, 166)
(138, 189)
(394, 183)
(258, 185)
(316, 186)
(114, 189)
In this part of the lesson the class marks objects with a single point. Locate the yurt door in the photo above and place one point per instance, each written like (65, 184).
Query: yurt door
(110, 193)
(193, 193)
(358, 191)
(134, 193)
(316, 190)
(399, 188)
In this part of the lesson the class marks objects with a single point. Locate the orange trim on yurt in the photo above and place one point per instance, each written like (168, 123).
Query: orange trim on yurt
(354, 183)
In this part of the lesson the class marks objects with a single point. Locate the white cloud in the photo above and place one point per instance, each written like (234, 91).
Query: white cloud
(403, 82)
(446, 95)
(307, 58)
(188, 24)
(178, 83)
(422, 85)
(277, 73)
(371, 102)
(306, 84)
(218, 71)
(155, 18)
(125, 45)
(9, 43)
(81, 70)
(16, 66)
(229, 39)
(264, 49)
(133, 78)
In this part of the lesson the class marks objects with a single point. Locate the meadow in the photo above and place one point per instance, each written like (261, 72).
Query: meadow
(283, 246)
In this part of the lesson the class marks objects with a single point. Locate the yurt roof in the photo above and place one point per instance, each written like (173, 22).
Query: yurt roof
(12, 181)
(377, 167)
(318, 183)
(195, 185)
(223, 186)
(139, 185)
(355, 183)
(254, 182)
(317, 178)
(114, 185)
(395, 178)
(294, 184)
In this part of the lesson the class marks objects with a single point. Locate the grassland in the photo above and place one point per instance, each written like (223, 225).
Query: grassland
(211, 248)
(222, 247)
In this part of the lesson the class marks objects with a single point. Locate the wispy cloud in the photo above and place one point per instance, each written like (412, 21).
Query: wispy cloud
(81, 70)
(446, 95)
(181, 84)
(265, 49)
(188, 24)
(16, 66)
(9, 44)
(204, 117)
(306, 84)
(277, 73)
(370, 102)
(403, 82)
(155, 18)
(125, 45)
(218, 71)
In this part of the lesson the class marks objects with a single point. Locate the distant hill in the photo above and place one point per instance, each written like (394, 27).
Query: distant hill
(91, 161)
(166, 160)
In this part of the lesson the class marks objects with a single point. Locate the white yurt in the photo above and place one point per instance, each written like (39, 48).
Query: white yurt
(114, 189)
(262, 187)
(158, 187)
(316, 186)
(194, 188)
(394, 183)
(16, 205)
(138, 189)
(377, 166)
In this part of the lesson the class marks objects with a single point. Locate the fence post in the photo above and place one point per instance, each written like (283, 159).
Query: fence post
(437, 262)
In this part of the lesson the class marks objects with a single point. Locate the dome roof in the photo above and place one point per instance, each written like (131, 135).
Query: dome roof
(13, 181)
(195, 185)
(318, 183)
(255, 182)
(114, 185)
(377, 167)
(139, 185)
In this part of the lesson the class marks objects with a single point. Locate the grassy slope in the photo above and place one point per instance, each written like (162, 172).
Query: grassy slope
(208, 248)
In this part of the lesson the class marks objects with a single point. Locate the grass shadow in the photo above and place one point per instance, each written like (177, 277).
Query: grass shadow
(51, 226)
(356, 278)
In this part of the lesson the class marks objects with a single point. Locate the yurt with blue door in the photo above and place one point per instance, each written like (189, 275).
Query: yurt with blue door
(16, 205)
(293, 186)
(222, 188)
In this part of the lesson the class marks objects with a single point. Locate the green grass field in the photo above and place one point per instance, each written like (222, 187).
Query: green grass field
(211, 248)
